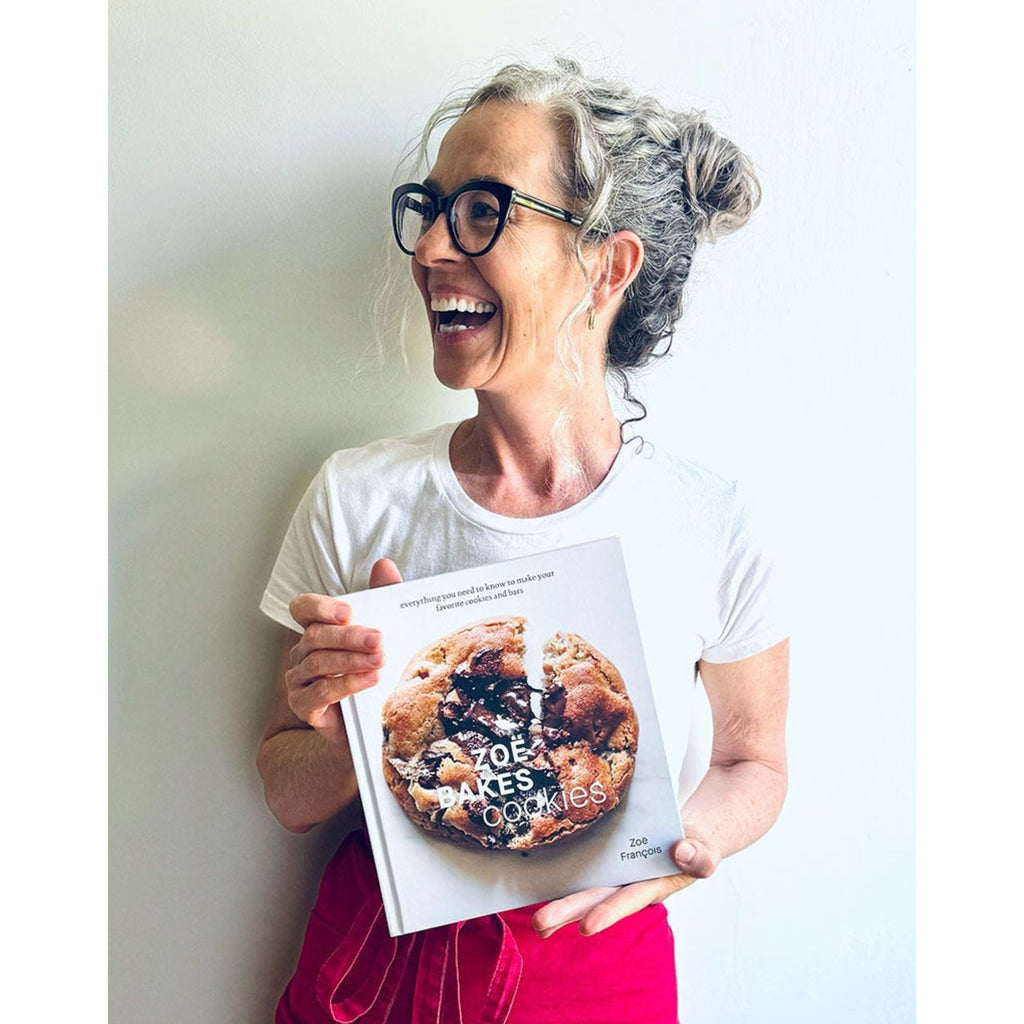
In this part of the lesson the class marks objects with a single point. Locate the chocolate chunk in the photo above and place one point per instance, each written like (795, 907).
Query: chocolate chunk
(554, 706)
(516, 701)
(470, 741)
(496, 705)
(486, 663)
(554, 737)
(429, 766)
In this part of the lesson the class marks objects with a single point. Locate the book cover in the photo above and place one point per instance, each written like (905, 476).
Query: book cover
(510, 753)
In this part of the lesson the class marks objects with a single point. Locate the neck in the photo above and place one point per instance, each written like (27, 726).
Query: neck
(532, 453)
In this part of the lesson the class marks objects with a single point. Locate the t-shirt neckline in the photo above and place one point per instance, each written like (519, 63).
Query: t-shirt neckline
(470, 510)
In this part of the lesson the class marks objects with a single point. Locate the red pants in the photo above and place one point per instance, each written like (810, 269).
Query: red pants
(491, 970)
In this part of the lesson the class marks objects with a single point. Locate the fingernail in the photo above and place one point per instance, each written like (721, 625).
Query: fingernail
(685, 853)
(373, 638)
(342, 612)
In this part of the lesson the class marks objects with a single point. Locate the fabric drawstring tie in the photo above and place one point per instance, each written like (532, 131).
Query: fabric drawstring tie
(359, 980)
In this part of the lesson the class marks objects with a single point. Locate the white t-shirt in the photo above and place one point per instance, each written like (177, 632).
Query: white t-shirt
(700, 583)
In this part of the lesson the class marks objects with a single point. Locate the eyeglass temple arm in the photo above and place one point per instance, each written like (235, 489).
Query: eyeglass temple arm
(541, 207)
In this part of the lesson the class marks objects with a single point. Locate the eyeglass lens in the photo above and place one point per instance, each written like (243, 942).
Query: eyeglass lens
(474, 216)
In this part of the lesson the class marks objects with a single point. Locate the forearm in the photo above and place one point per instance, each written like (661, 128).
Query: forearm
(734, 805)
(307, 778)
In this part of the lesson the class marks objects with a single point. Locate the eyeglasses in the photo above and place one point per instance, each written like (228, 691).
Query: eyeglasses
(476, 213)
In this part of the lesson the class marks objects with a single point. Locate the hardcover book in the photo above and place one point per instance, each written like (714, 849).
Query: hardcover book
(510, 753)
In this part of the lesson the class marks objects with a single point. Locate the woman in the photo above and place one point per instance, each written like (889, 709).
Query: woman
(550, 244)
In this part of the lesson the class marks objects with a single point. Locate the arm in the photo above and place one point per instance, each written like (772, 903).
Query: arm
(737, 801)
(307, 775)
(741, 795)
(304, 757)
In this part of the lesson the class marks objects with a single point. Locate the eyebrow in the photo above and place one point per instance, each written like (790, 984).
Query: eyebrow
(431, 184)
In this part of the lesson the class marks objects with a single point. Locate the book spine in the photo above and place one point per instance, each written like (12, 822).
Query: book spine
(371, 811)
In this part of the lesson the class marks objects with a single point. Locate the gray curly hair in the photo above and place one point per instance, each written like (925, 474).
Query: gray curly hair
(630, 163)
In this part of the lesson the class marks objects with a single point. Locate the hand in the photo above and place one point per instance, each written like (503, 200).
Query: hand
(334, 658)
(600, 908)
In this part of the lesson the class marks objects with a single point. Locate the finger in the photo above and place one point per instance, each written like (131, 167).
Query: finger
(328, 722)
(313, 703)
(694, 858)
(307, 608)
(630, 899)
(558, 913)
(320, 664)
(384, 573)
(319, 636)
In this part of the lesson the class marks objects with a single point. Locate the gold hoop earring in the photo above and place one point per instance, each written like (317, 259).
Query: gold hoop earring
(591, 313)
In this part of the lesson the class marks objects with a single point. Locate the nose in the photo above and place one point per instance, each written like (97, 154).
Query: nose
(435, 245)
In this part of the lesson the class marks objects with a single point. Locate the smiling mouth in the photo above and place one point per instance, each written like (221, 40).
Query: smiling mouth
(455, 321)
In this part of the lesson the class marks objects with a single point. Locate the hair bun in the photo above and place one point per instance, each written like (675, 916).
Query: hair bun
(632, 164)
(718, 179)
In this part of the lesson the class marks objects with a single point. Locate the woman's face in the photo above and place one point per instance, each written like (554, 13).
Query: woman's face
(531, 277)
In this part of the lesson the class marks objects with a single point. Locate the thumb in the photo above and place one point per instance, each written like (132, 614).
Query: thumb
(384, 573)
(693, 858)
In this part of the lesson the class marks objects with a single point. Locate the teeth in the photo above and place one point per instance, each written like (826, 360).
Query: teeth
(448, 305)
(451, 328)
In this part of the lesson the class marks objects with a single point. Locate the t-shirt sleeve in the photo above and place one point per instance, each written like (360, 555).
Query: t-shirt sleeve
(745, 597)
(308, 561)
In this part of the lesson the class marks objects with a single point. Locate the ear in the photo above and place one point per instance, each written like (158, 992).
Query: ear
(617, 262)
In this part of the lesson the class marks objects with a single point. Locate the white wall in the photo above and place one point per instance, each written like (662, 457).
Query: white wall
(252, 146)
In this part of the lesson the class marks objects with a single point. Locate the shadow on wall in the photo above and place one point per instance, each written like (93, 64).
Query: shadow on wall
(233, 375)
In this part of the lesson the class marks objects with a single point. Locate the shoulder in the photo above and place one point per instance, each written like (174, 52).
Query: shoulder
(390, 458)
(688, 481)
(682, 498)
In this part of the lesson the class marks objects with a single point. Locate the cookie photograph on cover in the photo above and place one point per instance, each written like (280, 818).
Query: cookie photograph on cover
(478, 752)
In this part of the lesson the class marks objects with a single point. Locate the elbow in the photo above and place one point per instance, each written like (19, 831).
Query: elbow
(285, 811)
(772, 784)
(782, 784)
(778, 785)
(304, 782)
(776, 772)
(294, 826)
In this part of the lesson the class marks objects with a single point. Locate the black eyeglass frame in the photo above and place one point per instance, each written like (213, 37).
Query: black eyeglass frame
(506, 195)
